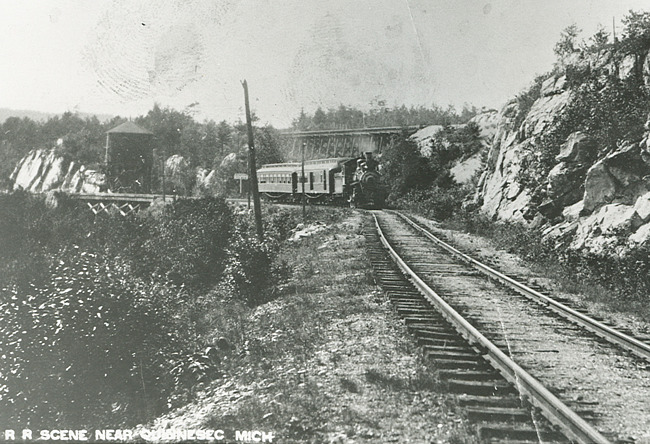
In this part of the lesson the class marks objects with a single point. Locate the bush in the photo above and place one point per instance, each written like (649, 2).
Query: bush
(109, 320)
(188, 244)
(436, 203)
(248, 275)
(404, 168)
(29, 230)
(91, 342)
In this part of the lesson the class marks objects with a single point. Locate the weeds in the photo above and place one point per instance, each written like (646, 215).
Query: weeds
(111, 320)
(422, 381)
(622, 283)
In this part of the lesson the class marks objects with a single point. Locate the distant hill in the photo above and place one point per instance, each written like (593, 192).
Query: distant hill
(5, 113)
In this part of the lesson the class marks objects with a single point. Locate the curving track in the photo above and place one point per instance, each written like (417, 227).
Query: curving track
(554, 358)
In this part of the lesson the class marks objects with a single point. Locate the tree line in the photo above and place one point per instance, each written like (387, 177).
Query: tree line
(202, 144)
(345, 117)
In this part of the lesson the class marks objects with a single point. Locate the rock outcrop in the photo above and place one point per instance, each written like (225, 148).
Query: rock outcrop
(465, 169)
(180, 178)
(42, 170)
(589, 200)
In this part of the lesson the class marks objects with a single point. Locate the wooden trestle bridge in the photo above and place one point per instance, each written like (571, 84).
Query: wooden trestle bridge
(339, 143)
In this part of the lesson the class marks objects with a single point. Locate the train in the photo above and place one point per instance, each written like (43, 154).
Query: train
(355, 181)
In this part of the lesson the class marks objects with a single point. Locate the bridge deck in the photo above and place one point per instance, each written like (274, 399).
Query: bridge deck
(340, 142)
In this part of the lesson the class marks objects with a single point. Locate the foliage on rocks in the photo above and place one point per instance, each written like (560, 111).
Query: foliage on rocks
(404, 167)
(455, 143)
(610, 108)
(424, 183)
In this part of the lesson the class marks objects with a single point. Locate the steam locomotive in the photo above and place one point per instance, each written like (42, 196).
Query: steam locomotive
(341, 179)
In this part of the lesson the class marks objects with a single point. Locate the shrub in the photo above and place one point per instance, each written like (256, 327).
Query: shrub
(119, 322)
(91, 342)
(403, 166)
(188, 244)
(436, 203)
(248, 274)
(29, 229)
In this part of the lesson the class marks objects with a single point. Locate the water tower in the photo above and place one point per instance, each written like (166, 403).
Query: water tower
(129, 158)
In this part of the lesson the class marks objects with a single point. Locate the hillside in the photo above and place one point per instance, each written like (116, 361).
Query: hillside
(571, 156)
(5, 113)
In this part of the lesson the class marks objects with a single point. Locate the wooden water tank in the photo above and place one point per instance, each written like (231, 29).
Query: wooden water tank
(129, 158)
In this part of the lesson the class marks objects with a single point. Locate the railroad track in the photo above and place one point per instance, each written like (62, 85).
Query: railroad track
(512, 359)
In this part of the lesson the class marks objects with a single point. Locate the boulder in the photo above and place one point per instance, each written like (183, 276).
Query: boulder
(501, 184)
(550, 209)
(640, 236)
(627, 158)
(464, 171)
(205, 182)
(618, 218)
(552, 86)
(178, 175)
(565, 181)
(28, 172)
(70, 175)
(54, 173)
(515, 210)
(423, 138)
(73, 180)
(560, 234)
(645, 70)
(623, 176)
(544, 113)
(626, 66)
(605, 227)
(201, 176)
(229, 160)
(93, 181)
(600, 187)
(642, 207)
(577, 148)
(618, 177)
(572, 212)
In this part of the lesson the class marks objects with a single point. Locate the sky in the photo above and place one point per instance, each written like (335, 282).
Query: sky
(119, 57)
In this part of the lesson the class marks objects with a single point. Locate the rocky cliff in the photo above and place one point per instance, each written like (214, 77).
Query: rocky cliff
(464, 170)
(582, 191)
(42, 170)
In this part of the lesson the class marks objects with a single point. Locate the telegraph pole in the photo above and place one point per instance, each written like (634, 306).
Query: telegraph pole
(163, 173)
(302, 180)
(253, 171)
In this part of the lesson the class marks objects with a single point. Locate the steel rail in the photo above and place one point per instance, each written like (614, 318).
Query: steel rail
(631, 344)
(555, 410)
